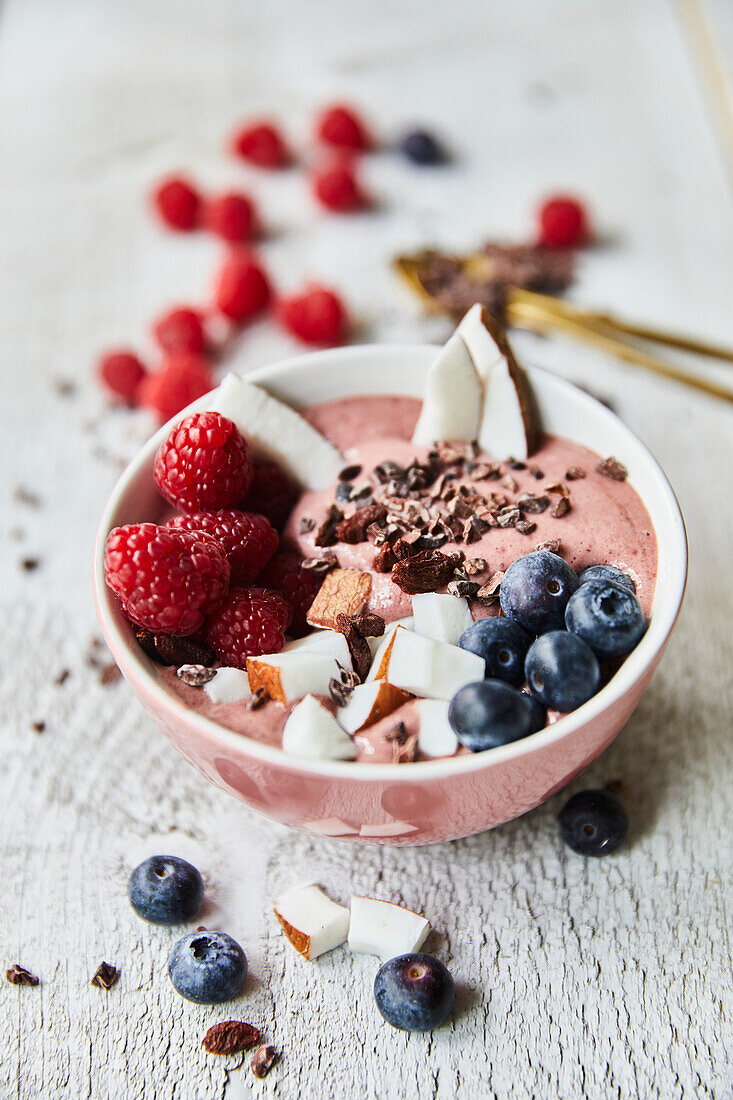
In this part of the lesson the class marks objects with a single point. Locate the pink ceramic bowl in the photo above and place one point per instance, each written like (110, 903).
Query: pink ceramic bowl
(439, 799)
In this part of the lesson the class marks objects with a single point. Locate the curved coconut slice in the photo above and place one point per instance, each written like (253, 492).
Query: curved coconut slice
(452, 401)
(312, 733)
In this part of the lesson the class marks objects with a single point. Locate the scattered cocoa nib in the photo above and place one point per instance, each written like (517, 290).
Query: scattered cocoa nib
(30, 564)
(425, 572)
(508, 517)
(321, 565)
(195, 675)
(510, 484)
(361, 654)
(169, 650)
(338, 692)
(536, 472)
(230, 1037)
(109, 674)
(611, 467)
(105, 975)
(515, 464)
(369, 626)
(526, 526)
(560, 508)
(353, 529)
(535, 505)
(464, 589)
(575, 473)
(306, 525)
(349, 473)
(343, 492)
(404, 744)
(18, 975)
(383, 560)
(27, 497)
(62, 677)
(388, 471)
(64, 387)
(263, 1060)
(39, 727)
(489, 593)
(558, 488)
(551, 545)
(326, 535)
(256, 700)
(362, 495)
(473, 566)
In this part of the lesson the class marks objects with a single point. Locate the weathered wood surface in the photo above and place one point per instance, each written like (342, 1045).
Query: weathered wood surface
(601, 980)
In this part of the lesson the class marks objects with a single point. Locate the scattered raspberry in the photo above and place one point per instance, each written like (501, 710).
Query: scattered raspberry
(180, 329)
(563, 222)
(177, 203)
(250, 622)
(317, 316)
(242, 289)
(341, 127)
(231, 217)
(168, 581)
(271, 493)
(336, 187)
(181, 378)
(248, 540)
(121, 372)
(204, 464)
(285, 573)
(262, 144)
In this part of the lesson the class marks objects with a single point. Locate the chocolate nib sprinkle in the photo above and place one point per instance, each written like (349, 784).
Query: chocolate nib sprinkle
(230, 1037)
(18, 975)
(195, 675)
(611, 467)
(404, 744)
(105, 976)
(560, 508)
(473, 566)
(526, 526)
(109, 674)
(349, 473)
(30, 564)
(322, 564)
(256, 700)
(489, 593)
(552, 546)
(39, 727)
(306, 525)
(327, 531)
(354, 528)
(558, 488)
(361, 654)
(536, 505)
(263, 1060)
(62, 677)
(575, 473)
(463, 589)
(425, 572)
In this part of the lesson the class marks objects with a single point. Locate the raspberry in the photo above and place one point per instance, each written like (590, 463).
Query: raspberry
(317, 316)
(168, 581)
(563, 222)
(204, 464)
(336, 187)
(121, 372)
(242, 289)
(262, 144)
(180, 329)
(231, 217)
(250, 622)
(285, 573)
(247, 540)
(271, 493)
(181, 378)
(341, 127)
(177, 203)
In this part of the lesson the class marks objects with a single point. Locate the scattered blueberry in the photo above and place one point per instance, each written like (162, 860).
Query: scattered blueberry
(593, 823)
(490, 713)
(165, 890)
(502, 644)
(607, 573)
(421, 147)
(535, 590)
(414, 992)
(562, 671)
(607, 616)
(538, 713)
(207, 967)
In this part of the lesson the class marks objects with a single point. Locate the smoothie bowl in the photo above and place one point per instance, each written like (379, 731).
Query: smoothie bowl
(366, 724)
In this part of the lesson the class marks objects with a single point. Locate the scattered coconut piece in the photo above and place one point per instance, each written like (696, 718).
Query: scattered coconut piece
(312, 733)
(291, 674)
(435, 735)
(229, 685)
(444, 618)
(369, 702)
(430, 669)
(381, 928)
(312, 923)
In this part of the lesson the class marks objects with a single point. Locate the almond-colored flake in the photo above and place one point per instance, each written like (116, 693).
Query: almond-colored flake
(344, 591)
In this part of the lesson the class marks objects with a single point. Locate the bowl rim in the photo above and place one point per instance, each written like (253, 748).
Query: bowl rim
(643, 658)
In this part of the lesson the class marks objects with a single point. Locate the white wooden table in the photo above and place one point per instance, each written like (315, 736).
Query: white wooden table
(577, 979)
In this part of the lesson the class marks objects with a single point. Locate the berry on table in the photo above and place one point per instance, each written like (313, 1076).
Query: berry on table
(503, 646)
(250, 622)
(177, 203)
(260, 143)
(336, 187)
(593, 823)
(563, 222)
(204, 464)
(607, 616)
(489, 713)
(180, 329)
(166, 890)
(341, 127)
(414, 992)
(607, 573)
(181, 378)
(316, 316)
(535, 590)
(242, 289)
(167, 581)
(231, 217)
(121, 372)
(285, 574)
(248, 540)
(421, 147)
(207, 967)
(562, 671)
(271, 494)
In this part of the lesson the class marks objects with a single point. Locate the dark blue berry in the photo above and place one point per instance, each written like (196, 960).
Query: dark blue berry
(535, 590)
(421, 147)
(562, 671)
(207, 967)
(606, 616)
(593, 823)
(538, 713)
(414, 992)
(490, 713)
(502, 644)
(607, 573)
(166, 890)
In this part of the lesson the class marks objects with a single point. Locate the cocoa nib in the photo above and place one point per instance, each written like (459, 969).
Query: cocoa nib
(611, 467)
(404, 744)
(369, 626)
(425, 572)
(464, 589)
(526, 526)
(230, 1037)
(263, 1060)
(535, 505)
(195, 675)
(109, 674)
(361, 654)
(321, 565)
(575, 473)
(560, 508)
(326, 535)
(105, 975)
(256, 700)
(551, 545)
(306, 525)
(18, 975)
(383, 560)
(472, 566)
(168, 650)
(353, 529)
(489, 593)
(349, 473)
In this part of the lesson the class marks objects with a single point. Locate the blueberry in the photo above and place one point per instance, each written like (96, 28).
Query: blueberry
(414, 992)
(421, 147)
(207, 967)
(490, 713)
(538, 713)
(562, 671)
(535, 590)
(607, 573)
(593, 823)
(165, 890)
(606, 616)
(502, 644)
